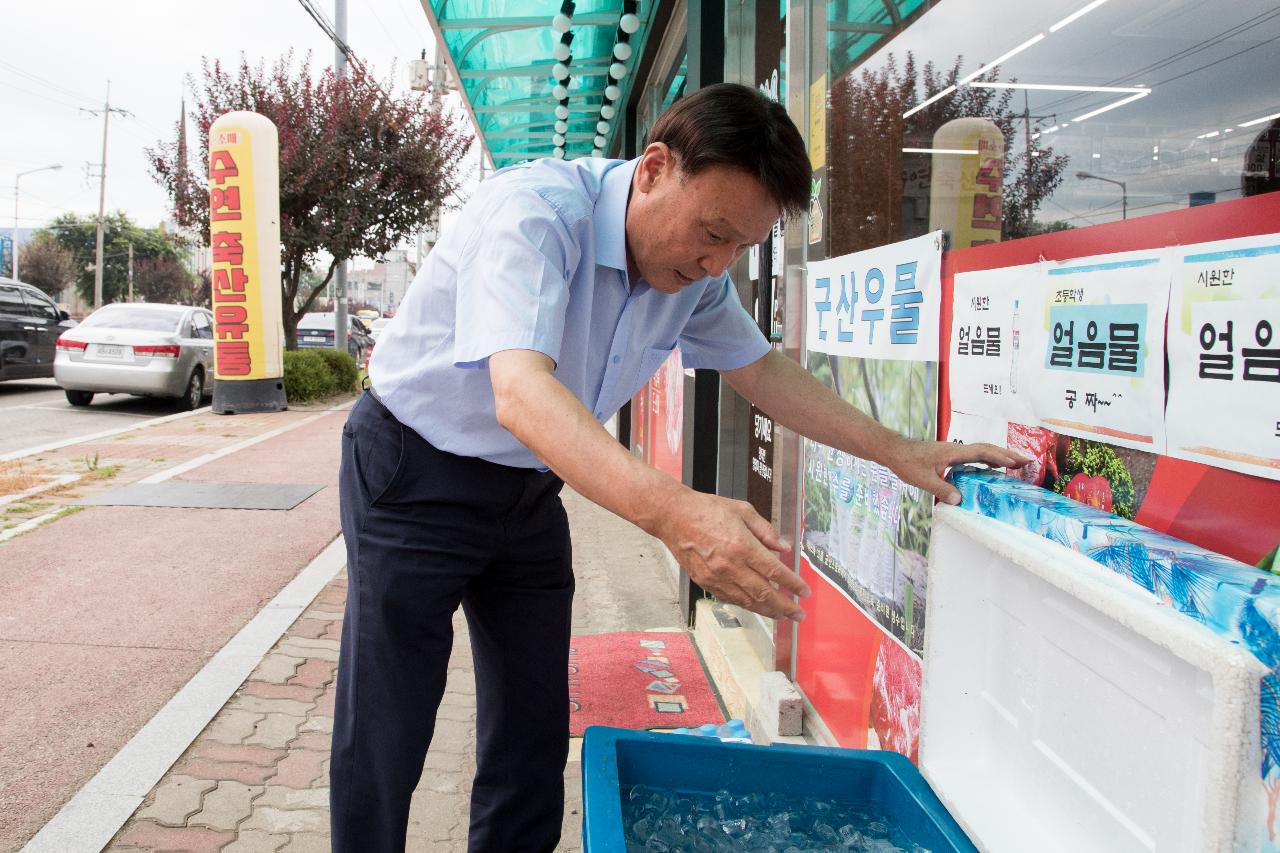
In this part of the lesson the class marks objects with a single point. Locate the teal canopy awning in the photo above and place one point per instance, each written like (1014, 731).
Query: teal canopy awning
(543, 76)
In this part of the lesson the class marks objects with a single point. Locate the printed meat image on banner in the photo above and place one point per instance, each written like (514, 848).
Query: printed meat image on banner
(866, 684)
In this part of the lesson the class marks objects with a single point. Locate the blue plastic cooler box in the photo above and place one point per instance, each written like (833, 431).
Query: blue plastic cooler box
(613, 759)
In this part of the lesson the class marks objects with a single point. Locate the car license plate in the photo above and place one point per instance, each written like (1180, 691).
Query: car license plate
(109, 351)
(311, 339)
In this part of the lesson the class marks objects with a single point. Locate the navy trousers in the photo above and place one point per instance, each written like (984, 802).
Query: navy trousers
(427, 531)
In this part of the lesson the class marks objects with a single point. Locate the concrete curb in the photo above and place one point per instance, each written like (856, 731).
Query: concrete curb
(95, 814)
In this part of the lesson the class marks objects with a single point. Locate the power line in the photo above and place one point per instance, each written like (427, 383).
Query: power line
(38, 79)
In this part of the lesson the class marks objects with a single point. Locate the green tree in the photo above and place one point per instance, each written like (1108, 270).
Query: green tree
(78, 236)
(359, 169)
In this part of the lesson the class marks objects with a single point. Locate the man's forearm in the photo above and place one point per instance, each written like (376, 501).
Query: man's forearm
(795, 399)
(551, 422)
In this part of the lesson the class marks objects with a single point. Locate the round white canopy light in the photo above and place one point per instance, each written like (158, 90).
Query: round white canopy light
(562, 127)
(599, 141)
(560, 92)
(562, 112)
(560, 23)
(622, 51)
(612, 92)
(558, 140)
(608, 111)
(602, 127)
(560, 51)
(617, 71)
(560, 71)
(628, 23)
(558, 153)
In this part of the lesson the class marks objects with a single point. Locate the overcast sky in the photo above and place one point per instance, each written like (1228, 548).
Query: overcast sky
(59, 54)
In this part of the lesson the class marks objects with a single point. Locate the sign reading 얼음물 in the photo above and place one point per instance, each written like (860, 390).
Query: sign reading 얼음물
(244, 244)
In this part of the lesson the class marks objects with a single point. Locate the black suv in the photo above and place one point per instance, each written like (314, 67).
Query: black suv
(29, 327)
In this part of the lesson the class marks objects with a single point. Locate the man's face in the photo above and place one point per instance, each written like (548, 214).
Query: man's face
(681, 229)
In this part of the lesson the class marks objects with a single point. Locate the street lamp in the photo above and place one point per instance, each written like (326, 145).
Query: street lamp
(16, 178)
(1124, 192)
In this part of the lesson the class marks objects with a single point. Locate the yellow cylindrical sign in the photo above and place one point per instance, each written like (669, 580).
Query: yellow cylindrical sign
(244, 241)
(967, 189)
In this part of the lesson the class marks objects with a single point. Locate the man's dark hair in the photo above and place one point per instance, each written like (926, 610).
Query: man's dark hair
(732, 125)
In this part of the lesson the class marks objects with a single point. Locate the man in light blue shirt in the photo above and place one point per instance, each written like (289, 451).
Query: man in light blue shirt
(560, 290)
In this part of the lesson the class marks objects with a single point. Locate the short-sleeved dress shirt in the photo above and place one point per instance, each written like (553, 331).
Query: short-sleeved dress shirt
(538, 261)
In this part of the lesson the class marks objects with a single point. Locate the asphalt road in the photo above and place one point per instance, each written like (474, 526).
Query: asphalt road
(35, 412)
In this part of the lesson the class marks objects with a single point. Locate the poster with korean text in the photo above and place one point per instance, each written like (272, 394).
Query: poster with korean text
(1224, 355)
(989, 312)
(881, 303)
(1095, 348)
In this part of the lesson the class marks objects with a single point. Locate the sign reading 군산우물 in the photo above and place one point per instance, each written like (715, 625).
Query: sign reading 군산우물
(879, 303)
(1224, 355)
(244, 241)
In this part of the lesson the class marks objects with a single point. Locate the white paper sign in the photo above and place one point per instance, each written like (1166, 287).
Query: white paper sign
(989, 311)
(1224, 355)
(1094, 348)
(880, 303)
(976, 429)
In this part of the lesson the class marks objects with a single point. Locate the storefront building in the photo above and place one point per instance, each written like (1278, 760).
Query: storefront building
(1039, 146)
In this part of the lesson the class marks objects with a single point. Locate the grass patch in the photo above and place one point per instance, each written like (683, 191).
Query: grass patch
(105, 472)
(25, 508)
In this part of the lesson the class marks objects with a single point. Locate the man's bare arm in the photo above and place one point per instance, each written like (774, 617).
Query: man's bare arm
(725, 546)
(798, 401)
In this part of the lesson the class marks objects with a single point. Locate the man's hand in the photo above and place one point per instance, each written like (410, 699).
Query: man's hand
(924, 463)
(730, 551)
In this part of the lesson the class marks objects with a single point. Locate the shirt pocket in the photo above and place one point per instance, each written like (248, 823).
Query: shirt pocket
(650, 360)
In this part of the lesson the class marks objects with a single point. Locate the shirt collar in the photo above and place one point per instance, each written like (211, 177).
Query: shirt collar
(611, 215)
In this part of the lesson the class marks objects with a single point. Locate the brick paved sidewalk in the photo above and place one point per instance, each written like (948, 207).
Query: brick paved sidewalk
(257, 779)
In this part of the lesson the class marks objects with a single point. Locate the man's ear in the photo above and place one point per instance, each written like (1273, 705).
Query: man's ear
(656, 161)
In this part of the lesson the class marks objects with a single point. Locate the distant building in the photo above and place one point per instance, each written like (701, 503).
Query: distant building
(383, 285)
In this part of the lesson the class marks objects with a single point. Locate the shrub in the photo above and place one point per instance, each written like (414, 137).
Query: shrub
(346, 375)
(307, 376)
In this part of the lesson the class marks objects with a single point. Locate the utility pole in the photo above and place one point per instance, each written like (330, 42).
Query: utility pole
(130, 271)
(341, 324)
(106, 111)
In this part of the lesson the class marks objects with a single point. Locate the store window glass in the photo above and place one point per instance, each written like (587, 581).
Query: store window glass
(1003, 119)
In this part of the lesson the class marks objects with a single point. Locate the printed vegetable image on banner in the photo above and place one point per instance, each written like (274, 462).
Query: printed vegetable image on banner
(881, 303)
(988, 317)
(1094, 360)
(1224, 355)
(864, 529)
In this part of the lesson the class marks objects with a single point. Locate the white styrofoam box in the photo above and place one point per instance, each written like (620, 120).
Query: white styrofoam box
(1065, 709)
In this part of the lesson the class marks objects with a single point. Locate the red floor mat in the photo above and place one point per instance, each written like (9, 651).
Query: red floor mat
(638, 680)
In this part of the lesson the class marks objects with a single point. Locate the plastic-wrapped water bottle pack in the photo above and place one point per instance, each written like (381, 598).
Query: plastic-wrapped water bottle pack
(657, 820)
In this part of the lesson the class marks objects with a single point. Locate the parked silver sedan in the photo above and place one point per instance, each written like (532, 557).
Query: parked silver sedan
(138, 348)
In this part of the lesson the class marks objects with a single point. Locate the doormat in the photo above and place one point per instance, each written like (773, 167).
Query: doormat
(182, 494)
(638, 680)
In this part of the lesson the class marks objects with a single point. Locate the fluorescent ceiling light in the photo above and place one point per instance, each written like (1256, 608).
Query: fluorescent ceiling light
(1260, 120)
(993, 63)
(1076, 14)
(939, 150)
(1210, 135)
(1050, 129)
(1108, 107)
(1059, 87)
(918, 107)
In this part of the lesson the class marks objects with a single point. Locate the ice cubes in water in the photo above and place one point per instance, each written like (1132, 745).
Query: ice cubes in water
(667, 821)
